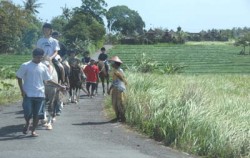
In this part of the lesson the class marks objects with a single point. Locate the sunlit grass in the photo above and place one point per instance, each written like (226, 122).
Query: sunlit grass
(207, 115)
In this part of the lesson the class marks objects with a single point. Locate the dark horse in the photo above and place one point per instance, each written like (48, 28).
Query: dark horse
(103, 75)
(75, 83)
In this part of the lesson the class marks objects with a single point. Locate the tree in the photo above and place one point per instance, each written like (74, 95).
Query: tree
(66, 12)
(59, 22)
(32, 6)
(95, 8)
(84, 28)
(243, 42)
(13, 22)
(124, 20)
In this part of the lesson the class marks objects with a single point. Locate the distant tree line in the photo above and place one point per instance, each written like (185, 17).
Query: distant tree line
(83, 27)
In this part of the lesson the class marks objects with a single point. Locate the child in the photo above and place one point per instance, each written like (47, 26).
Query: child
(86, 58)
(118, 88)
(91, 71)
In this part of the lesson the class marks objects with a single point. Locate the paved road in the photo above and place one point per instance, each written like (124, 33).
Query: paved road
(82, 131)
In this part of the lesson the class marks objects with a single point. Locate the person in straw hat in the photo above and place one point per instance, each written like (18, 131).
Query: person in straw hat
(118, 88)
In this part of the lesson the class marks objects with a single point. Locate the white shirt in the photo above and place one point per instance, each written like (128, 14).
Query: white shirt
(49, 45)
(33, 76)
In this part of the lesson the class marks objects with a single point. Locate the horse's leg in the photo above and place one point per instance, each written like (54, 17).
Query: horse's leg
(107, 80)
(103, 86)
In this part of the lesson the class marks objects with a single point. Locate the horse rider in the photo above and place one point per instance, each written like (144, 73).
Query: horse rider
(51, 47)
(104, 57)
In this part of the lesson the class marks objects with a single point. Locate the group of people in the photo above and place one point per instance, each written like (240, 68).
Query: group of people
(34, 74)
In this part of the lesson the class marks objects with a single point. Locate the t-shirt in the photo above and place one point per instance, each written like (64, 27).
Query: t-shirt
(34, 76)
(91, 72)
(49, 45)
(103, 57)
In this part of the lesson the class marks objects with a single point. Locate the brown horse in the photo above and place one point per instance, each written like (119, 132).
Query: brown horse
(103, 75)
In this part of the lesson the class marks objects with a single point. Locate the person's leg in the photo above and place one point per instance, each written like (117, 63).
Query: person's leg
(93, 85)
(120, 105)
(88, 86)
(27, 109)
(36, 107)
(114, 103)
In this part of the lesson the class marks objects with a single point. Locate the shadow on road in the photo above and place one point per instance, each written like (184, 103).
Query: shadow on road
(10, 132)
(97, 123)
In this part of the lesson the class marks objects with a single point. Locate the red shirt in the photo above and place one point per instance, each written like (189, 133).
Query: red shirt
(91, 72)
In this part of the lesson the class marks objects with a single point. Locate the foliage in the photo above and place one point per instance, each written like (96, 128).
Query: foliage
(124, 20)
(31, 6)
(145, 64)
(9, 91)
(243, 42)
(94, 8)
(82, 46)
(83, 27)
(58, 23)
(7, 72)
(13, 22)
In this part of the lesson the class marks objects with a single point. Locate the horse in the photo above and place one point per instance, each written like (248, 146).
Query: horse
(103, 75)
(75, 83)
(51, 95)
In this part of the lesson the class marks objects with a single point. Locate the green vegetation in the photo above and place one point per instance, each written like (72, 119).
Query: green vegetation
(9, 90)
(207, 115)
(204, 110)
(195, 57)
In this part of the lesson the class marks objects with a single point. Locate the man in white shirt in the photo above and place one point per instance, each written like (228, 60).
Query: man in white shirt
(31, 77)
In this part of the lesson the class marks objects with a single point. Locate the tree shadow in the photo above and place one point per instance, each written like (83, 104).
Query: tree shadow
(98, 123)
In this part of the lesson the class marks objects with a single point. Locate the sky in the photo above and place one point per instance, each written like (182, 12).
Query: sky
(190, 15)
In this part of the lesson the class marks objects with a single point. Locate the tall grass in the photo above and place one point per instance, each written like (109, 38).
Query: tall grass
(207, 115)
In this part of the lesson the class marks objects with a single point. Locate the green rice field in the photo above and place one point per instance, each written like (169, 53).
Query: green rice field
(210, 57)
(13, 61)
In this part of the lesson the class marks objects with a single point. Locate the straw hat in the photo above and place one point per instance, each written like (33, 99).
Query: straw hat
(116, 59)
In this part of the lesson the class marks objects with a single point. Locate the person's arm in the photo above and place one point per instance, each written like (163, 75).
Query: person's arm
(120, 76)
(20, 84)
(62, 88)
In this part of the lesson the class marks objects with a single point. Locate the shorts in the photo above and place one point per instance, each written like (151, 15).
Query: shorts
(33, 107)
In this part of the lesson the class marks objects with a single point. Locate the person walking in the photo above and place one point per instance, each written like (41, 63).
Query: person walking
(117, 89)
(31, 77)
(91, 71)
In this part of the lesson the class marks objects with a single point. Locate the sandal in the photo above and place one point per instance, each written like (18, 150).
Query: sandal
(34, 134)
(26, 129)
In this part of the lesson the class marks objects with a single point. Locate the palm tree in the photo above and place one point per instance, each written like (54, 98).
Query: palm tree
(31, 6)
(66, 12)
